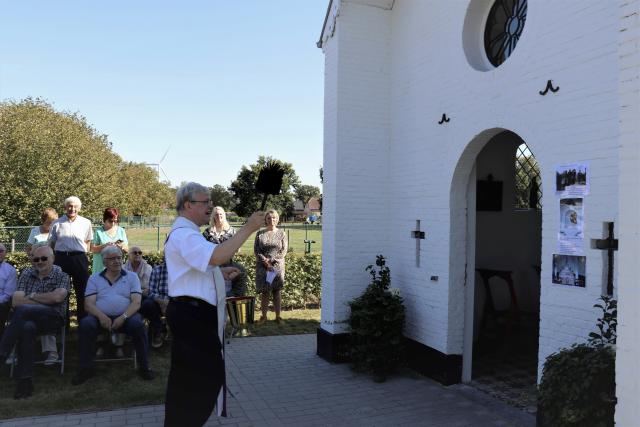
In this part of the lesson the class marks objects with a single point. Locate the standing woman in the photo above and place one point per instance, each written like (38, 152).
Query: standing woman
(218, 231)
(41, 233)
(109, 234)
(270, 247)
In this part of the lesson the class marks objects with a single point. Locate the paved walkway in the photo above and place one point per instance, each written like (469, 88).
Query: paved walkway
(280, 381)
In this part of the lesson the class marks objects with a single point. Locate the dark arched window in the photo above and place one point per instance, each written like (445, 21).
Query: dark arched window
(503, 30)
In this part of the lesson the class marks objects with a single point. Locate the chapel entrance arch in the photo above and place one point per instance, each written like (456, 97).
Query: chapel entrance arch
(502, 246)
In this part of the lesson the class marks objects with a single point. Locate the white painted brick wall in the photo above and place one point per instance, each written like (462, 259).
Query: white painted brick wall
(397, 72)
(355, 155)
(628, 348)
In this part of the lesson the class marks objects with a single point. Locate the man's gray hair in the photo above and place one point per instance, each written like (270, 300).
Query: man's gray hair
(42, 245)
(73, 199)
(187, 192)
(110, 249)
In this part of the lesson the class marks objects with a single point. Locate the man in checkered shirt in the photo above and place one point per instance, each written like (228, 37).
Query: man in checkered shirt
(39, 303)
(155, 306)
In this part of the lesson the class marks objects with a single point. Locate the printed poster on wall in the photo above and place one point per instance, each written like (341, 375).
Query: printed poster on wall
(572, 180)
(569, 270)
(571, 234)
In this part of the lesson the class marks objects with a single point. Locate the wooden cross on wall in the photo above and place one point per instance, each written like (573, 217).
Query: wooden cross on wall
(418, 235)
(610, 244)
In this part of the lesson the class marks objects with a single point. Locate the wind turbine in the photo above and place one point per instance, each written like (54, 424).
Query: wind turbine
(158, 166)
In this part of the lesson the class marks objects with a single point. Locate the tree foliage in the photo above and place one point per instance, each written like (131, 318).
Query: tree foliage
(46, 156)
(248, 200)
(222, 197)
(306, 192)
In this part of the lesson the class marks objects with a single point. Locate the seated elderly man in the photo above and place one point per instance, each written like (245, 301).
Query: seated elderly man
(155, 305)
(112, 301)
(8, 280)
(39, 303)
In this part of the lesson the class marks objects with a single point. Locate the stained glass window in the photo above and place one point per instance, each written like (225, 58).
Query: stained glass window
(504, 28)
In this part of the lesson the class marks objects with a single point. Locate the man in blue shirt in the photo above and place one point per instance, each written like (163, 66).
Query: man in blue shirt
(155, 306)
(112, 301)
(8, 280)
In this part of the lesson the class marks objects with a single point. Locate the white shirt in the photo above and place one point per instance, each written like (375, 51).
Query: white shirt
(71, 235)
(187, 255)
(37, 236)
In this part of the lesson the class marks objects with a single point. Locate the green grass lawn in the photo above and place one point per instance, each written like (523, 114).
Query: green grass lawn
(152, 238)
(116, 384)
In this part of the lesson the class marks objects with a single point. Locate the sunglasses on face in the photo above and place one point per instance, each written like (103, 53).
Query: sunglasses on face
(136, 252)
(42, 258)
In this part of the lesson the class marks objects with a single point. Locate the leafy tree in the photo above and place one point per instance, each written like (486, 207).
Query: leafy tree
(222, 197)
(248, 200)
(306, 192)
(46, 156)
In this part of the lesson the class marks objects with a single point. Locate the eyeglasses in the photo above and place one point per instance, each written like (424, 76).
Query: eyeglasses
(42, 258)
(114, 258)
(136, 252)
(113, 220)
(208, 202)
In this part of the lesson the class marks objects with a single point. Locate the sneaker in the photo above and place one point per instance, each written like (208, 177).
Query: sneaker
(100, 353)
(11, 358)
(157, 339)
(146, 374)
(52, 358)
(119, 353)
(262, 321)
(82, 376)
(280, 321)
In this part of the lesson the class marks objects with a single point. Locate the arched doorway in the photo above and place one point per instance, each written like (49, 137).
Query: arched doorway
(497, 186)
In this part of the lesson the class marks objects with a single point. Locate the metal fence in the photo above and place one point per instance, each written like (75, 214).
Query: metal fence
(302, 238)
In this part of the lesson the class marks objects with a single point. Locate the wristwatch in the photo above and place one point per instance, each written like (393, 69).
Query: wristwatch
(125, 316)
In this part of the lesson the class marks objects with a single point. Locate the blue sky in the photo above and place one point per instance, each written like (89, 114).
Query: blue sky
(220, 82)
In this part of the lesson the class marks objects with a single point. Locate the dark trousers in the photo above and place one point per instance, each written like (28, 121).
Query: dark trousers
(77, 267)
(5, 307)
(90, 328)
(28, 321)
(151, 310)
(197, 372)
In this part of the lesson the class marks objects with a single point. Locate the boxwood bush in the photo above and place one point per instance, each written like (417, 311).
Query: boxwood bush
(302, 277)
(578, 384)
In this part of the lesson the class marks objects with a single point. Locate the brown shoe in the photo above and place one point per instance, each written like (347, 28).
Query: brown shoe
(262, 321)
(280, 321)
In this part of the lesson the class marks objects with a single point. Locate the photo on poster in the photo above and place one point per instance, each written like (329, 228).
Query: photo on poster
(572, 179)
(569, 270)
(572, 218)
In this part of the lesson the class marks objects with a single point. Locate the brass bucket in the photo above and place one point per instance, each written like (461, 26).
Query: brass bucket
(240, 311)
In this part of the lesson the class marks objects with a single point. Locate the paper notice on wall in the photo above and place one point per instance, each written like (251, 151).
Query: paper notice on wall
(571, 232)
(569, 270)
(572, 179)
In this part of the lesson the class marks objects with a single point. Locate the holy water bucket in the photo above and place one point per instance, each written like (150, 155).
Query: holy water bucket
(240, 311)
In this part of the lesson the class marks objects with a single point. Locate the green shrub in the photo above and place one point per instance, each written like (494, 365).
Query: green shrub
(302, 278)
(376, 323)
(578, 383)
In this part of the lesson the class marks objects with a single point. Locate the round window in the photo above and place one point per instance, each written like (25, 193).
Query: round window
(503, 29)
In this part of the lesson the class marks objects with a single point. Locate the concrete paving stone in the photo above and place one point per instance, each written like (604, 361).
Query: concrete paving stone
(280, 380)
(65, 423)
(153, 424)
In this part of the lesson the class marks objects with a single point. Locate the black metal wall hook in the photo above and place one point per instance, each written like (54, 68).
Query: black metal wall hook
(549, 88)
(444, 119)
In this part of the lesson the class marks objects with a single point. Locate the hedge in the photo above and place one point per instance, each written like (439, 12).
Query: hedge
(302, 278)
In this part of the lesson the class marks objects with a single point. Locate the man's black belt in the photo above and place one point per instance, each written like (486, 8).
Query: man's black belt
(70, 253)
(196, 302)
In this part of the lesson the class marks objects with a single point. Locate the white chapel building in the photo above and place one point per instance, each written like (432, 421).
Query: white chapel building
(489, 150)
